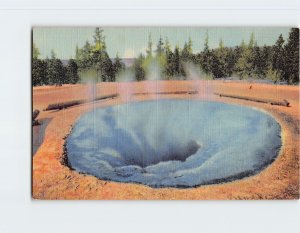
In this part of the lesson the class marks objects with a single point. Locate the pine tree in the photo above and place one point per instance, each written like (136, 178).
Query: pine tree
(230, 60)
(149, 47)
(250, 56)
(278, 61)
(55, 73)
(251, 41)
(160, 47)
(77, 53)
(107, 69)
(243, 65)
(168, 72)
(266, 60)
(187, 51)
(138, 68)
(176, 61)
(38, 72)
(95, 57)
(291, 69)
(161, 56)
(38, 69)
(99, 39)
(218, 66)
(72, 72)
(190, 45)
(83, 56)
(257, 64)
(206, 57)
(185, 55)
(167, 47)
(118, 65)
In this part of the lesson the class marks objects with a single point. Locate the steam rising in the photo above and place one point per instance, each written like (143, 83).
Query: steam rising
(200, 80)
(173, 143)
(153, 76)
(90, 78)
(125, 87)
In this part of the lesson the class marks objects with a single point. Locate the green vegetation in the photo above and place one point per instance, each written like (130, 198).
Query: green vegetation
(72, 72)
(279, 62)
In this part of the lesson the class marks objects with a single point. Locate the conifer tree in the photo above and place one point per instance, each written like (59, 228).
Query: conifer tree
(206, 57)
(38, 69)
(149, 47)
(55, 73)
(278, 59)
(291, 73)
(94, 56)
(218, 66)
(72, 72)
(243, 65)
(138, 68)
(168, 69)
(118, 65)
(176, 61)
(160, 47)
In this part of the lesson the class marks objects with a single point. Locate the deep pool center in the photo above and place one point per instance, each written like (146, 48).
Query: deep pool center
(173, 143)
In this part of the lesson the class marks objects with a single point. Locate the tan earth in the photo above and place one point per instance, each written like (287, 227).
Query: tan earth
(51, 179)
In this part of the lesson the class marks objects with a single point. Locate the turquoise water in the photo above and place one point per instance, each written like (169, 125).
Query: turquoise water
(173, 143)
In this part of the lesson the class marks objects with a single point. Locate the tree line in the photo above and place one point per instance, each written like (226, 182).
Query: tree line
(52, 71)
(279, 62)
(92, 56)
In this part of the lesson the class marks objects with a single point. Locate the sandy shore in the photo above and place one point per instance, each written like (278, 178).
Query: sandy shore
(52, 180)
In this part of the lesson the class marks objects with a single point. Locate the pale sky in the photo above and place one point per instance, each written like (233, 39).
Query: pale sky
(131, 41)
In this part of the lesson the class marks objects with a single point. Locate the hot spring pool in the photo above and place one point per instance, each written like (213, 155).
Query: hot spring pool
(173, 143)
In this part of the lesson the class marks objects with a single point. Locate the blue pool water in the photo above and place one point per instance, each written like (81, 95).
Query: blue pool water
(173, 143)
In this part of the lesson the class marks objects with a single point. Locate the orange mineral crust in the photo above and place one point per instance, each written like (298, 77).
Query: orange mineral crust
(51, 179)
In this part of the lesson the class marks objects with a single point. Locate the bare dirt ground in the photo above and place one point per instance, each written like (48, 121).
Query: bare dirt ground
(52, 180)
